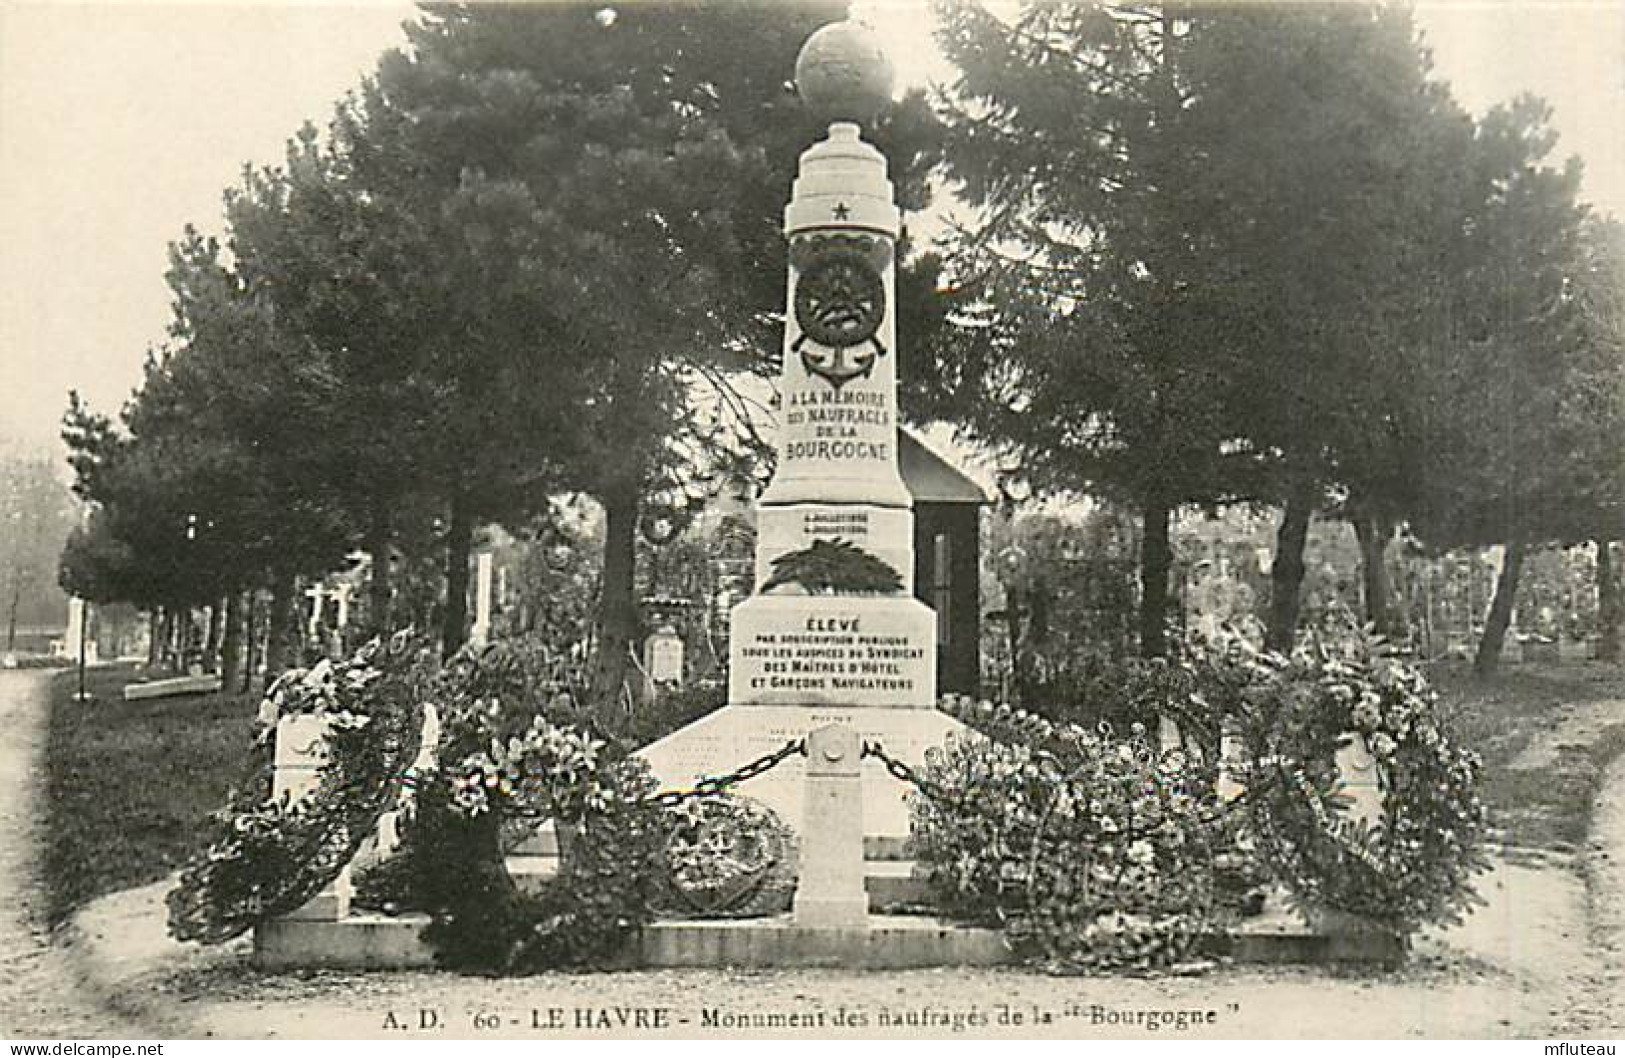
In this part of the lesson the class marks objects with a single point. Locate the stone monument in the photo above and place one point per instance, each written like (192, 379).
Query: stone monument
(69, 645)
(480, 634)
(317, 594)
(663, 657)
(833, 634)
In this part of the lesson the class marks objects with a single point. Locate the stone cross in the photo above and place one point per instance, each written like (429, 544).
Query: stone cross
(341, 595)
(316, 594)
(830, 893)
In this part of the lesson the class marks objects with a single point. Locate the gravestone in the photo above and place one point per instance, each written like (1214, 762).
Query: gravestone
(1232, 758)
(1359, 780)
(480, 634)
(300, 752)
(341, 595)
(76, 624)
(663, 657)
(833, 633)
(69, 645)
(317, 594)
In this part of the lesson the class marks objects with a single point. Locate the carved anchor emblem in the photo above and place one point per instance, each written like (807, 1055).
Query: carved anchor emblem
(839, 303)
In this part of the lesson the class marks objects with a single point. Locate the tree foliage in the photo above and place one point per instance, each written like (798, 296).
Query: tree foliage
(1232, 253)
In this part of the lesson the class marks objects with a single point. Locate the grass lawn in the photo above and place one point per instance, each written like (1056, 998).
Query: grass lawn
(128, 784)
(1546, 733)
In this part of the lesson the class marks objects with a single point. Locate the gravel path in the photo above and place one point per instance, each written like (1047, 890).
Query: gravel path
(1599, 1005)
(1508, 973)
(39, 993)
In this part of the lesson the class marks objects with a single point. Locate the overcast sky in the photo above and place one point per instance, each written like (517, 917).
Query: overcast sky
(122, 122)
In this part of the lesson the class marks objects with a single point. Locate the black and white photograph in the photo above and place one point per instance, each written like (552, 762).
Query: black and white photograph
(896, 520)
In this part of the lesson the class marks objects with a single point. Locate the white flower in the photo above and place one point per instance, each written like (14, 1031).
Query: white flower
(1141, 852)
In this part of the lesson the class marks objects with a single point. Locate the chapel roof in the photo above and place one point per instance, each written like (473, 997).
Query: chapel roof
(930, 478)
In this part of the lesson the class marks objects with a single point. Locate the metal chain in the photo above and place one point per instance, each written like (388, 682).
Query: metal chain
(903, 773)
(716, 784)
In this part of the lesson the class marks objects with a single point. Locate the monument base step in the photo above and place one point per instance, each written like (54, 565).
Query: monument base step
(890, 884)
(890, 942)
(358, 942)
(380, 942)
(205, 684)
(545, 842)
(1281, 935)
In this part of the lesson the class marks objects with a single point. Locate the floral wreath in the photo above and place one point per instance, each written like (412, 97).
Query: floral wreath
(729, 856)
(1410, 865)
(269, 856)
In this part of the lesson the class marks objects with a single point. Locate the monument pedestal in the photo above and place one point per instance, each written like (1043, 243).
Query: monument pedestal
(855, 651)
(834, 651)
(736, 734)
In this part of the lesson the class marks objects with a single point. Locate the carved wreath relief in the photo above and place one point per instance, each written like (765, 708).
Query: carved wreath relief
(840, 303)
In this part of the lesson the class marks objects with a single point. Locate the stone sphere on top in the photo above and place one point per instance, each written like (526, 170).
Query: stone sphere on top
(843, 74)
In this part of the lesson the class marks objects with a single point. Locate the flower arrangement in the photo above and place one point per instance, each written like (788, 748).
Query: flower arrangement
(546, 770)
(1090, 851)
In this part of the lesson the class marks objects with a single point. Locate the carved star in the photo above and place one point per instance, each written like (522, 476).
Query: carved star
(841, 211)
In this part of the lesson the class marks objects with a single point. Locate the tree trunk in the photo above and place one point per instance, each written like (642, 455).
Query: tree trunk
(214, 638)
(1035, 634)
(459, 542)
(1500, 616)
(1374, 535)
(193, 631)
(180, 623)
(1609, 608)
(617, 609)
(155, 636)
(180, 635)
(11, 616)
(251, 638)
(282, 633)
(1013, 629)
(1286, 573)
(231, 642)
(1156, 560)
(165, 633)
(379, 584)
